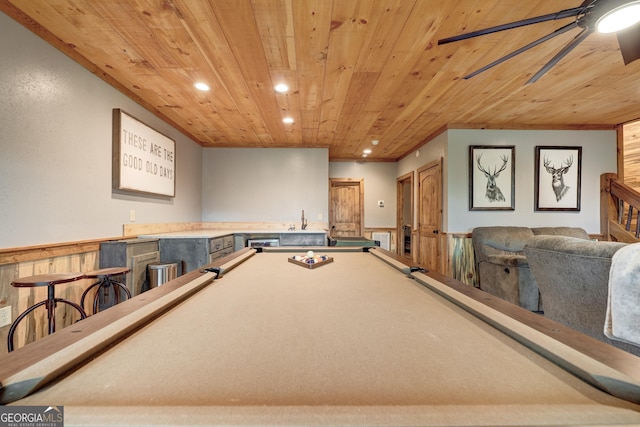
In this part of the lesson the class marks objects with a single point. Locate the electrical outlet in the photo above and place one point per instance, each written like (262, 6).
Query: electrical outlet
(132, 215)
(5, 316)
(319, 217)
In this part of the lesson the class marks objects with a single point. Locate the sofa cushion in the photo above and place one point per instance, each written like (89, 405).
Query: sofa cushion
(561, 231)
(499, 239)
(623, 308)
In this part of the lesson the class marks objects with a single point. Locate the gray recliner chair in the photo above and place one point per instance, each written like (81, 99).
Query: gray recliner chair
(502, 266)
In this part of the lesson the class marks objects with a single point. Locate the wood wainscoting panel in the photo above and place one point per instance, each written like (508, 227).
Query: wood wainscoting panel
(34, 326)
(31, 253)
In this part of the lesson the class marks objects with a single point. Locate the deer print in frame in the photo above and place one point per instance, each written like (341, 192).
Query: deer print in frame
(491, 177)
(493, 194)
(557, 181)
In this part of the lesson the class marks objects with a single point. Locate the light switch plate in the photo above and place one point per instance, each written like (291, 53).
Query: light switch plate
(5, 316)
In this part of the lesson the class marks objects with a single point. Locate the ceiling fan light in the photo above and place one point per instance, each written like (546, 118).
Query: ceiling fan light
(619, 18)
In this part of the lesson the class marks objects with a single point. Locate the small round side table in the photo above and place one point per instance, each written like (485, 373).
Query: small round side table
(49, 280)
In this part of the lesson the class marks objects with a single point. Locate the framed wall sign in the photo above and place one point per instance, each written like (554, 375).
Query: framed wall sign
(143, 159)
(492, 177)
(557, 178)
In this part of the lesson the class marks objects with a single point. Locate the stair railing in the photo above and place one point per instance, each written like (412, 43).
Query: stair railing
(619, 210)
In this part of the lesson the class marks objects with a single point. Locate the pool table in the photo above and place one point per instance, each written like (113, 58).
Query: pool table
(362, 340)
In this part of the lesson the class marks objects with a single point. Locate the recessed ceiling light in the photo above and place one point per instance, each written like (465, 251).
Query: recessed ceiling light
(288, 120)
(202, 86)
(364, 155)
(367, 151)
(375, 141)
(281, 88)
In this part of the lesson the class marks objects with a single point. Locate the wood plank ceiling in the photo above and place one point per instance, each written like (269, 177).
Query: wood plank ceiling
(358, 70)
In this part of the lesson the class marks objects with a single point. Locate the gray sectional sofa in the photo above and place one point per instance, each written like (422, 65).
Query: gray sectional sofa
(563, 274)
(573, 277)
(502, 267)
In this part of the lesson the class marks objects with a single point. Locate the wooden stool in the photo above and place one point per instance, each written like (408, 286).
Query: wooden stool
(49, 280)
(104, 282)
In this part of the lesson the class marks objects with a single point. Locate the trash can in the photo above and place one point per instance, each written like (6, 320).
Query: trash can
(160, 273)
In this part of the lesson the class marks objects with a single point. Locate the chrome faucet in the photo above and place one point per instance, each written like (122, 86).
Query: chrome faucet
(304, 221)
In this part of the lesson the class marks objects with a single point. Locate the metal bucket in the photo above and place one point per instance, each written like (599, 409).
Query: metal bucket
(160, 273)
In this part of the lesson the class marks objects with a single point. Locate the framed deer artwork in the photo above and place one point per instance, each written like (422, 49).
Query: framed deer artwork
(492, 177)
(557, 178)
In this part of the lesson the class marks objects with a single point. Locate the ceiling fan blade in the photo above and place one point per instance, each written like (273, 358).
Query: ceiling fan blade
(629, 41)
(535, 20)
(559, 31)
(565, 50)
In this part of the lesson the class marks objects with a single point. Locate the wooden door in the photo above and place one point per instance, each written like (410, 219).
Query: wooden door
(430, 215)
(404, 214)
(346, 204)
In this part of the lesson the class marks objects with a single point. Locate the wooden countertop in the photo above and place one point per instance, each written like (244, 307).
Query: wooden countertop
(219, 233)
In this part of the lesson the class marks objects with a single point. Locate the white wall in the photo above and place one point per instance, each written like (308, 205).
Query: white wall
(275, 184)
(598, 157)
(55, 166)
(379, 185)
(265, 184)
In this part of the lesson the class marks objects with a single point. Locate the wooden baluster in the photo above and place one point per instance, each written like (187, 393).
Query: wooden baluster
(620, 210)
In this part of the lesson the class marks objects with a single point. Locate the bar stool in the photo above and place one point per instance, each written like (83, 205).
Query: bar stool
(49, 280)
(105, 281)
